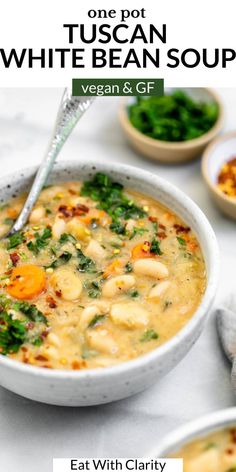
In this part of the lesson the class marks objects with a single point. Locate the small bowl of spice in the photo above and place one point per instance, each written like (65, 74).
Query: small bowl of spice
(219, 172)
(175, 127)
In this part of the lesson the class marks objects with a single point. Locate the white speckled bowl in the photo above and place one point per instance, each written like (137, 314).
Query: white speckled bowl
(103, 385)
(201, 427)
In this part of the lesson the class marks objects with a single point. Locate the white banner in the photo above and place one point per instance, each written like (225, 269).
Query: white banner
(48, 43)
(122, 465)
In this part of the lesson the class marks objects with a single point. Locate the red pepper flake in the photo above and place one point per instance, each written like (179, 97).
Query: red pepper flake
(153, 219)
(51, 302)
(65, 210)
(45, 333)
(229, 451)
(161, 226)
(14, 258)
(161, 235)
(72, 192)
(181, 229)
(58, 293)
(40, 357)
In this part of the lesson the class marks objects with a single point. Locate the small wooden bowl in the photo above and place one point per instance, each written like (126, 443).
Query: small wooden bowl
(216, 154)
(172, 152)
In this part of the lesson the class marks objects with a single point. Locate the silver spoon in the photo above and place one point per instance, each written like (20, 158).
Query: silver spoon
(71, 109)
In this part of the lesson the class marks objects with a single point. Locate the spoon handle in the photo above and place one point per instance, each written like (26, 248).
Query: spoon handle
(70, 111)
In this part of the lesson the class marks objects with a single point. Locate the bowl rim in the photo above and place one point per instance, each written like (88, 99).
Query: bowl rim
(204, 165)
(194, 429)
(178, 145)
(198, 316)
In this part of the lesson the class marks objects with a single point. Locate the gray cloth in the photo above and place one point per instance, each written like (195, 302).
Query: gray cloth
(226, 325)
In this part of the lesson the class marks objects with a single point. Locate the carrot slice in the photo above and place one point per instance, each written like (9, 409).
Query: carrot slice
(141, 250)
(94, 214)
(26, 282)
(112, 268)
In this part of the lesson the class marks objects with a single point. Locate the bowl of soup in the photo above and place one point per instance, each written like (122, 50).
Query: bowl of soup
(106, 288)
(207, 444)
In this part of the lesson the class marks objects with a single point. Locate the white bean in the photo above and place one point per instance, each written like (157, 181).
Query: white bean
(37, 214)
(129, 315)
(87, 315)
(65, 281)
(151, 268)
(101, 340)
(118, 284)
(58, 227)
(53, 339)
(159, 290)
(95, 250)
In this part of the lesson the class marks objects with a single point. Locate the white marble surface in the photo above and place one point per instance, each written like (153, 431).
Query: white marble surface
(32, 434)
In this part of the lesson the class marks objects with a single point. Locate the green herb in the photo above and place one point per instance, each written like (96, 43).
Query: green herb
(94, 288)
(15, 240)
(128, 267)
(155, 247)
(117, 227)
(139, 231)
(149, 335)
(110, 198)
(85, 263)
(12, 334)
(48, 211)
(232, 469)
(181, 241)
(41, 241)
(8, 221)
(97, 319)
(210, 445)
(62, 259)
(65, 237)
(88, 353)
(134, 293)
(5, 302)
(31, 311)
(4, 206)
(174, 117)
(38, 341)
(155, 226)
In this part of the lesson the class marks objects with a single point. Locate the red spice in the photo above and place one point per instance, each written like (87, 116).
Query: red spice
(229, 451)
(77, 365)
(161, 235)
(30, 325)
(153, 219)
(51, 302)
(181, 229)
(14, 258)
(69, 211)
(40, 357)
(72, 192)
(58, 293)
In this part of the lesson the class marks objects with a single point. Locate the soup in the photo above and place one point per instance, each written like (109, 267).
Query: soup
(98, 276)
(213, 453)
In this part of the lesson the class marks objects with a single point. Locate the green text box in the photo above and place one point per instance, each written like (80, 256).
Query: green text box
(117, 87)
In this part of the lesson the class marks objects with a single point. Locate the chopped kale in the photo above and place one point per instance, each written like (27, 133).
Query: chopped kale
(85, 263)
(149, 335)
(41, 241)
(97, 319)
(110, 198)
(31, 311)
(65, 237)
(181, 241)
(15, 240)
(62, 259)
(12, 334)
(139, 231)
(134, 293)
(155, 247)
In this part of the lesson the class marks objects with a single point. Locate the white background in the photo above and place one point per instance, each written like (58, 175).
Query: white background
(167, 465)
(31, 434)
(202, 24)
